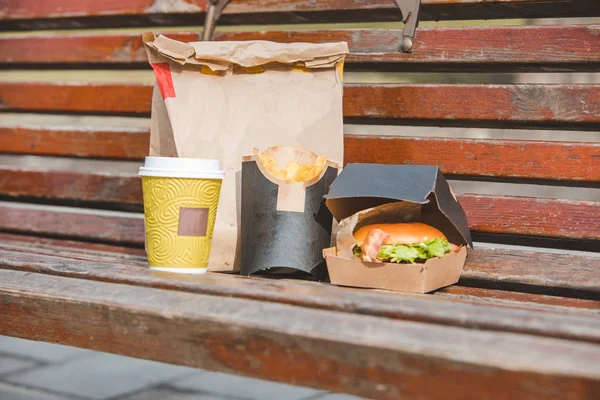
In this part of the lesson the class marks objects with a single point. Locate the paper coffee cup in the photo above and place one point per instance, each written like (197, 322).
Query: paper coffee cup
(181, 196)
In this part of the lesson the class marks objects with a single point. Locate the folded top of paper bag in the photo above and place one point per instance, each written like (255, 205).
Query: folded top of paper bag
(219, 56)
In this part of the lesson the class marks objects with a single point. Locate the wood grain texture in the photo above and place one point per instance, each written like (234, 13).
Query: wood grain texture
(514, 299)
(524, 268)
(560, 322)
(559, 161)
(566, 106)
(363, 355)
(89, 225)
(132, 256)
(505, 268)
(566, 48)
(75, 250)
(532, 216)
(77, 97)
(70, 14)
(468, 105)
(449, 49)
(115, 189)
(528, 271)
(60, 245)
(75, 142)
(273, 290)
(567, 219)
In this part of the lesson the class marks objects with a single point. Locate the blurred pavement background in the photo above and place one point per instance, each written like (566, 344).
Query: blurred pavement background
(43, 371)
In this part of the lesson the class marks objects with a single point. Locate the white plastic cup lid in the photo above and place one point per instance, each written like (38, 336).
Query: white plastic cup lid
(176, 167)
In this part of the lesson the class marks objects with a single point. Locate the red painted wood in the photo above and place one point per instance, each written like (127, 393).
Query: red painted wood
(573, 106)
(532, 216)
(482, 157)
(21, 9)
(513, 299)
(442, 309)
(486, 213)
(529, 47)
(565, 270)
(105, 98)
(466, 157)
(71, 185)
(465, 104)
(498, 48)
(83, 225)
(511, 269)
(79, 48)
(328, 350)
(62, 246)
(302, 10)
(74, 141)
(536, 269)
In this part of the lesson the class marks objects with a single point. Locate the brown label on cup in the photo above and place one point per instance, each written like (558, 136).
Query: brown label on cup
(193, 221)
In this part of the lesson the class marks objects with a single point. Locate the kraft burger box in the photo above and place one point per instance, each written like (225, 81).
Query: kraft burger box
(365, 194)
(219, 100)
(285, 224)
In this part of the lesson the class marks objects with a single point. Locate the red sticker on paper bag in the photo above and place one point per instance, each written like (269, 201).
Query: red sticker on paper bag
(162, 71)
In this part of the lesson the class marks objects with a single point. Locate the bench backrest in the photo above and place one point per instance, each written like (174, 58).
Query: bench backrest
(574, 108)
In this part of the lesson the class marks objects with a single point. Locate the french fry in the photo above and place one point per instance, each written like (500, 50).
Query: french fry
(293, 171)
(270, 165)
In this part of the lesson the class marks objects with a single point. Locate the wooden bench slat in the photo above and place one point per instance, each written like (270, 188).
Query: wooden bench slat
(557, 322)
(83, 252)
(115, 189)
(475, 105)
(513, 299)
(550, 48)
(565, 48)
(76, 97)
(87, 248)
(118, 228)
(506, 159)
(559, 161)
(537, 272)
(137, 257)
(362, 354)
(97, 142)
(19, 14)
(486, 213)
(550, 106)
(532, 216)
(529, 271)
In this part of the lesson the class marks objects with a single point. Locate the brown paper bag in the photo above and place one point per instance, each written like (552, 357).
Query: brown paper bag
(222, 99)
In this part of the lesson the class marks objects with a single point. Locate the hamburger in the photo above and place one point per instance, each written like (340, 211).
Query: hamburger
(401, 242)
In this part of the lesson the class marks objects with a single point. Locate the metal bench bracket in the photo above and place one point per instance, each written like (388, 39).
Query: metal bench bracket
(410, 10)
(213, 12)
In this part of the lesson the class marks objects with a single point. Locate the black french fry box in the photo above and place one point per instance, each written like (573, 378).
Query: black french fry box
(284, 225)
(365, 194)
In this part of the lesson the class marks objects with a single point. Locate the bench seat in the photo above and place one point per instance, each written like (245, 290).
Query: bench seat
(342, 339)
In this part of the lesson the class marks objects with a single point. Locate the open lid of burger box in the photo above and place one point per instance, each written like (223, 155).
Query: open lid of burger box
(362, 186)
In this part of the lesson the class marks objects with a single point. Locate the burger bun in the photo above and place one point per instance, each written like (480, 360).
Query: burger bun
(402, 233)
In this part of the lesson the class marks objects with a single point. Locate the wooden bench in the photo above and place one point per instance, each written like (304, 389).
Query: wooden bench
(522, 322)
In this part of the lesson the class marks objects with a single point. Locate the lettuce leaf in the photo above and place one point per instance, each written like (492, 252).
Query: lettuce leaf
(437, 247)
(410, 252)
(399, 252)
